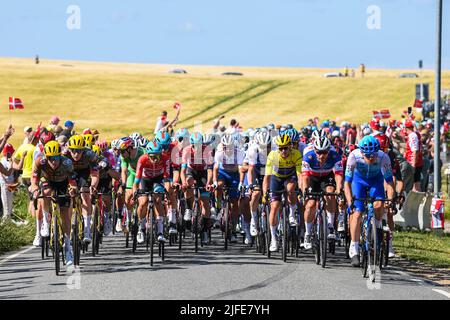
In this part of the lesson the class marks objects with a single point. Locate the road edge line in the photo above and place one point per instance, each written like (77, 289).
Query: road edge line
(3, 261)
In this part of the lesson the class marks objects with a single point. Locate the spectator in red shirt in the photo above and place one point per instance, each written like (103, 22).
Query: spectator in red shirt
(413, 153)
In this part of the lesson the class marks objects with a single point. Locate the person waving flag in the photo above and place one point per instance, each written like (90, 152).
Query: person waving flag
(15, 103)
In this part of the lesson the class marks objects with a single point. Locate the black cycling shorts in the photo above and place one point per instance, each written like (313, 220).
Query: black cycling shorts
(156, 185)
(105, 185)
(60, 188)
(200, 176)
(83, 178)
(320, 183)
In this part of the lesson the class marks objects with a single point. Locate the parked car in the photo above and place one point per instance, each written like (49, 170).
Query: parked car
(177, 71)
(232, 74)
(408, 75)
(333, 74)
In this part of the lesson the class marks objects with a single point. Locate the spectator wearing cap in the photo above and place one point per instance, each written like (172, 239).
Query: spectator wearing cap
(68, 131)
(414, 154)
(7, 181)
(28, 131)
(54, 121)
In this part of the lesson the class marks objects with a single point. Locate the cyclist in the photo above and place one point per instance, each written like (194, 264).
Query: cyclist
(367, 169)
(130, 154)
(227, 161)
(116, 182)
(152, 173)
(106, 174)
(85, 166)
(321, 168)
(282, 172)
(55, 173)
(256, 157)
(196, 169)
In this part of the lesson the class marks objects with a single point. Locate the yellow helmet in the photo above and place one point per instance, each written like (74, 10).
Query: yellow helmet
(52, 148)
(88, 144)
(283, 140)
(88, 138)
(96, 149)
(76, 142)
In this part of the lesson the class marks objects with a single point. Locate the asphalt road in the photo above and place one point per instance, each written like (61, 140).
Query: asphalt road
(212, 273)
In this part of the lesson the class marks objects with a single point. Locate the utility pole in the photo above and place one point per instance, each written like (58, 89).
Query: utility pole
(437, 103)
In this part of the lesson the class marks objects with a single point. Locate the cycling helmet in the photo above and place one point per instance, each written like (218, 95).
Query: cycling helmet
(367, 131)
(369, 145)
(124, 143)
(103, 145)
(115, 144)
(182, 134)
(322, 144)
(317, 134)
(76, 142)
(142, 142)
(52, 148)
(96, 150)
(196, 138)
(283, 140)
(210, 139)
(289, 126)
(153, 147)
(262, 138)
(163, 138)
(135, 135)
(270, 126)
(88, 138)
(47, 136)
(335, 134)
(293, 134)
(227, 139)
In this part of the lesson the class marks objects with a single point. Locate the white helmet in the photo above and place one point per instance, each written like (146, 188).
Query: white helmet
(262, 138)
(317, 134)
(321, 144)
(367, 131)
(335, 134)
(227, 139)
(115, 144)
(135, 135)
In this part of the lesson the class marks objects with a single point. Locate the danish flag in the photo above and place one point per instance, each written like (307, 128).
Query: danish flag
(418, 104)
(382, 114)
(177, 106)
(15, 103)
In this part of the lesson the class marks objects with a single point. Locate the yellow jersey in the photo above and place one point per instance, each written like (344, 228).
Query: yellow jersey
(283, 167)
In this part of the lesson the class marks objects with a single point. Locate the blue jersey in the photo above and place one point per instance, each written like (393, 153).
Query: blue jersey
(312, 167)
(357, 167)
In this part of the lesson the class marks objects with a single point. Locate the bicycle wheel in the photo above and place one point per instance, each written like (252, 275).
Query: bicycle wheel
(323, 240)
(195, 225)
(347, 238)
(364, 247)
(134, 231)
(43, 243)
(315, 240)
(285, 234)
(226, 223)
(56, 244)
(113, 213)
(151, 236)
(373, 248)
(94, 230)
(387, 237)
(75, 244)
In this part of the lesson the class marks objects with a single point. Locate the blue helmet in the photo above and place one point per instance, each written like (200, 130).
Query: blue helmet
(369, 145)
(293, 133)
(182, 134)
(153, 147)
(196, 138)
(163, 138)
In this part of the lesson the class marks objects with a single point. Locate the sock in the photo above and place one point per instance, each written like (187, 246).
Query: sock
(142, 224)
(172, 216)
(38, 227)
(330, 218)
(292, 208)
(273, 231)
(309, 226)
(46, 214)
(355, 245)
(87, 223)
(159, 221)
(255, 216)
(66, 241)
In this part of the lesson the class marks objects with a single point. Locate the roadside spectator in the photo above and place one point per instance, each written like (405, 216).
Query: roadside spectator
(7, 181)
(28, 131)
(233, 127)
(413, 153)
(68, 131)
(216, 124)
(353, 73)
(346, 72)
(161, 121)
(362, 68)
(54, 121)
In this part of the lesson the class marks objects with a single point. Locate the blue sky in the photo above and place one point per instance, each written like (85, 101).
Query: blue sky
(294, 33)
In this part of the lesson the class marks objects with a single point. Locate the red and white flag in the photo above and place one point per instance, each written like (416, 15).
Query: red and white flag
(15, 103)
(418, 104)
(382, 114)
(177, 106)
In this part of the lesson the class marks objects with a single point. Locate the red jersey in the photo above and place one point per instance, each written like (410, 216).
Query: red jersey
(174, 153)
(149, 170)
(414, 144)
(196, 160)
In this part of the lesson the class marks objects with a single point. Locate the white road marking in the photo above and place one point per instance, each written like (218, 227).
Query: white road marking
(16, 255)
(445, 293)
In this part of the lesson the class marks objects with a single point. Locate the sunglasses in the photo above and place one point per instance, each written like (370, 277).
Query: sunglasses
(154, 156)
(54, 158)
(76, 150)
(369, 155)
(284, 149)
(322, 152)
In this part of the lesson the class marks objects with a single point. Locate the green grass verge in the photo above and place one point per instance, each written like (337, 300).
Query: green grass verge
(12, 236)
(425, 247)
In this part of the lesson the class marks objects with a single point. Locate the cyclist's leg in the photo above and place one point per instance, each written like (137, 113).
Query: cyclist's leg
(145, 186)
(377, 192)
(47, 191)
(86, 205)
(159, 190)
(276, 189)
(310, 207)
(331, 202)
(292, 198)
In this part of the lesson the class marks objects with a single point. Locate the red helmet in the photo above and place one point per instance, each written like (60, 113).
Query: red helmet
(103, 145)
(47, 136)
(409, 123)
(375, 124)
(384, 141)
(8, 148)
